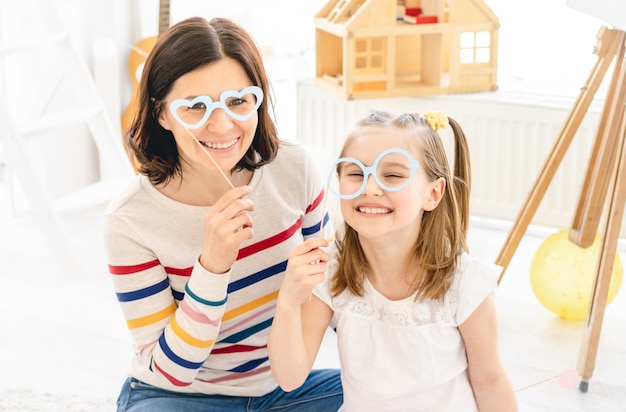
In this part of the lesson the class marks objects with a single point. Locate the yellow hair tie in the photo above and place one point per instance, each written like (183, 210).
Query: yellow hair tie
(437, 120)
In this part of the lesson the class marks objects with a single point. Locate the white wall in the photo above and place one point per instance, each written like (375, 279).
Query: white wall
(545, 49)
(38, 82)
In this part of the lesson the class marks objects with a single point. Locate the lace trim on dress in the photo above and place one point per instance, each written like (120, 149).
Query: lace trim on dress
(404, 313)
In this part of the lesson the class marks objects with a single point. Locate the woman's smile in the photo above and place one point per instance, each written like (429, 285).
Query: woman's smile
(219, 145)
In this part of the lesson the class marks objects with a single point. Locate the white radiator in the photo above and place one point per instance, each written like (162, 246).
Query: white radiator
(510, 137)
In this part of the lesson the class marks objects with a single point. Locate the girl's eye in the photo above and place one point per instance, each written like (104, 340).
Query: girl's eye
(351, 171)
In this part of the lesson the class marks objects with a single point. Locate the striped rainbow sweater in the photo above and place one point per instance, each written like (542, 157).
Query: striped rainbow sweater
(191, 330)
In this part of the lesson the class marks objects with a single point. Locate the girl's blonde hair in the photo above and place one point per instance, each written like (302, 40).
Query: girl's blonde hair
(443, 231)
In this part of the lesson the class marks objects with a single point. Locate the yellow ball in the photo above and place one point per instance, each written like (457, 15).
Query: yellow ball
(562, 273)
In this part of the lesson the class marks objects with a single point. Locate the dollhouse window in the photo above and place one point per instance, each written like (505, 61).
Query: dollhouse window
(475, 47)
(369, 54)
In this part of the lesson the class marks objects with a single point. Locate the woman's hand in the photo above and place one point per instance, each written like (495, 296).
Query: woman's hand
(305, 269)
(226, 226)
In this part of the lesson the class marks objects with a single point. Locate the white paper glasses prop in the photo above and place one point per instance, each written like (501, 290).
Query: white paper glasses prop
(239, 105)
(392, 170)
(192, 114)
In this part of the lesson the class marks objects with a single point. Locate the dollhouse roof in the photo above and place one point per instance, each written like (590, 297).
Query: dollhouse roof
(354, 14)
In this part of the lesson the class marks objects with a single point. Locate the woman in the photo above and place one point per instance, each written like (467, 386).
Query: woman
(198, 244)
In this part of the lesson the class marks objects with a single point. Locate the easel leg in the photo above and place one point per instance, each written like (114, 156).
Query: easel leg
(608, 249)
(608, 42)
(601, 165)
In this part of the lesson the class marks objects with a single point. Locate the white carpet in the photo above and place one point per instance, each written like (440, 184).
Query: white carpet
(27, 400)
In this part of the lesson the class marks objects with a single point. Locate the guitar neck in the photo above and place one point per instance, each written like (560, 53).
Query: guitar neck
(164, 15)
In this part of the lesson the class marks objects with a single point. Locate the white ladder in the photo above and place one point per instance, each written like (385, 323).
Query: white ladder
(62, 107)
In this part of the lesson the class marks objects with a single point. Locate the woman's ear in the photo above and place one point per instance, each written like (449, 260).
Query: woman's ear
(434, 196)
(162, 119)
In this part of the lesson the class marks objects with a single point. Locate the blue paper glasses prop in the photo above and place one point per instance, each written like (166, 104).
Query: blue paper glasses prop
(239, 105)
(192, 114)
(392, 170)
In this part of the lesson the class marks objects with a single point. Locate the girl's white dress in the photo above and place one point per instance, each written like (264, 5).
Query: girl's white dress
(406, 355)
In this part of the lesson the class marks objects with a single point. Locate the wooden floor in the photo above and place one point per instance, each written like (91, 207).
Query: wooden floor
(64, 347)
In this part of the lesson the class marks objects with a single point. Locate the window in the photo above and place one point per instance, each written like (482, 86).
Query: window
(370, 55)
(475, 47)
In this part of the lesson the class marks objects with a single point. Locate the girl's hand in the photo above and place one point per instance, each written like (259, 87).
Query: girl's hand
(305, 269)
(226, 226)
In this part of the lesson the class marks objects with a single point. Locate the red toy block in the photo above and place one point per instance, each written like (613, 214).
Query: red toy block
(413, 11)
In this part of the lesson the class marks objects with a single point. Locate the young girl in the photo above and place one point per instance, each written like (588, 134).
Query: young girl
(198, 243)
(414, 312)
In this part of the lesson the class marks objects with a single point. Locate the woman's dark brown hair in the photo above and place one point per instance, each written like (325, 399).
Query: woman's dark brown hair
(184, 47)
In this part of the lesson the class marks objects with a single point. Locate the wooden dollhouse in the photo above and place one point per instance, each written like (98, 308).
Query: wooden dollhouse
(386, 48)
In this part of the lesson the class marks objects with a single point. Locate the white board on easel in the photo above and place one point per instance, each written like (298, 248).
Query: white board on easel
(611, 11)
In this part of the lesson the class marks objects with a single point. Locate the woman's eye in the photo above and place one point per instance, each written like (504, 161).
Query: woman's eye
(236, 102)
(198, 106)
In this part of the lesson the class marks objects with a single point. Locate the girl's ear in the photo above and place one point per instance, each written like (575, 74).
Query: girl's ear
(437, 189)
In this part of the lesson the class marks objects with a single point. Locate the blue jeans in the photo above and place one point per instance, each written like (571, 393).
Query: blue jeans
(321, 392)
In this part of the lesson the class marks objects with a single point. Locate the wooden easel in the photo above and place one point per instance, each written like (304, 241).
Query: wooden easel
(605, 179)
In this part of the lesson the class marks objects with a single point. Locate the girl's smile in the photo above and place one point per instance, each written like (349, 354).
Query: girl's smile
(372, 209)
